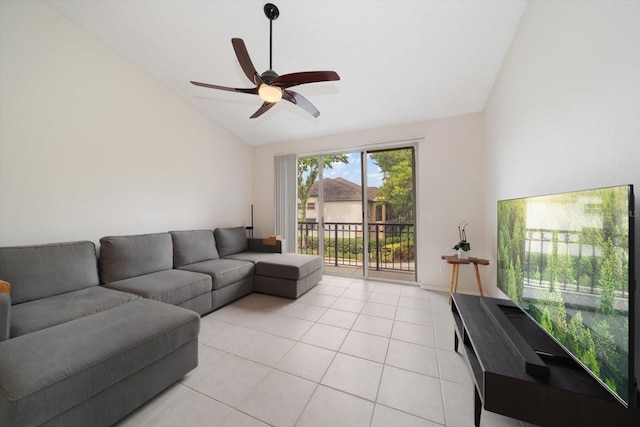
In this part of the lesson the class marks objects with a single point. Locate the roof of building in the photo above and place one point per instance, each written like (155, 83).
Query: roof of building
(340, 189)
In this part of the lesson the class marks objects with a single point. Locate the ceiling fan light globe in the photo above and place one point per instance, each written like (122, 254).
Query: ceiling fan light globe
(270, 93)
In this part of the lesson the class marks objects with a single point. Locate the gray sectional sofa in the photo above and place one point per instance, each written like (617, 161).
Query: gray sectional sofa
(85, 340)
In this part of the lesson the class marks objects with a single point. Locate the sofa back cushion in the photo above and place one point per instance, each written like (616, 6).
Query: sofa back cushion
(42, 271)
(231, 240)
(123, 257)
(193, 246)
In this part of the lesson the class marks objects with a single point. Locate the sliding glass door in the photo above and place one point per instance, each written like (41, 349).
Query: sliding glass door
(356, 210)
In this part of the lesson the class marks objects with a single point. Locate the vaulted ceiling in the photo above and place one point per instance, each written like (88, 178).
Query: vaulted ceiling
(399, 61)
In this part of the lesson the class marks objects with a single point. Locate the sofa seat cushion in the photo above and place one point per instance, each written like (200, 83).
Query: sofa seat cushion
(50, 371)
(168, 286)
(223, 272)
(289, 266)
(43, 313)
(254, 257)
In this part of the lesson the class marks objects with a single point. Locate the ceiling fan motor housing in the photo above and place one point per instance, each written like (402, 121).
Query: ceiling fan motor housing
(269, 76)
(271, 11)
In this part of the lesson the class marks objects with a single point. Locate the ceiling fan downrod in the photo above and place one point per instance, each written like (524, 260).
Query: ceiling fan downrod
(271, 11)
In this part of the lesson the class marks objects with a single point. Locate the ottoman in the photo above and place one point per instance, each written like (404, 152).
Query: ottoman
(288, 275)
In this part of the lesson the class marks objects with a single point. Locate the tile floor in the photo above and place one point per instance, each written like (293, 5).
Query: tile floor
(348, 353)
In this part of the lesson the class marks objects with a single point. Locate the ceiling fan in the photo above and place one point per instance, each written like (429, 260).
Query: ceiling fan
(269, 85)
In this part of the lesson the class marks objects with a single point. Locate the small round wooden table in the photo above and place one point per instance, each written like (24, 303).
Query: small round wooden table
(455, 267)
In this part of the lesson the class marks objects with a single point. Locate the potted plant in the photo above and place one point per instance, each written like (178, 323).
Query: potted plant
(463, 246)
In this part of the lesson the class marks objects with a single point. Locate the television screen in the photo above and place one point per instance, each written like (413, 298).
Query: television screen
(565, 260)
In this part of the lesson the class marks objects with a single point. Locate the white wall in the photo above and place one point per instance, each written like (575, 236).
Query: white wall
(90, 145)
(564, 113)
(450, 187)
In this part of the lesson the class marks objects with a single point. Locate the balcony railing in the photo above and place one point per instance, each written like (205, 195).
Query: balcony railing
(391, 245)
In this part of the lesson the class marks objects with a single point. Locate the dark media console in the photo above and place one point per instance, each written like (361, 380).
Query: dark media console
(522, 373)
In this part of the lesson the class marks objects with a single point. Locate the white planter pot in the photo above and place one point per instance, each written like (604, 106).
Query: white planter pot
(463, 254)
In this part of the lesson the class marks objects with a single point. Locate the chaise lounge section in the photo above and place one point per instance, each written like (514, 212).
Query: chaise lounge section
(287, 275)
(76, 353)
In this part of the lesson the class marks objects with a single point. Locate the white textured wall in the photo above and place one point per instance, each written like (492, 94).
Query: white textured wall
(564, 113)
(90, 145)
(450, 186)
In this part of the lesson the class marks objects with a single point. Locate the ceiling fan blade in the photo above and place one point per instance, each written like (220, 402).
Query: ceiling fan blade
(294, 79)
(251, 90)
(300, 101)
(265, 107)
(245, 61)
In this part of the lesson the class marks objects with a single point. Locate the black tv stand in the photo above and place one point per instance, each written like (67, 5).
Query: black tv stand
(504, 383)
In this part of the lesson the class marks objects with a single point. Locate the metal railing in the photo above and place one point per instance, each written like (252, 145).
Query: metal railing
(391, 245)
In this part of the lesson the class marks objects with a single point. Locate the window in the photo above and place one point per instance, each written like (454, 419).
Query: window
(311, 206)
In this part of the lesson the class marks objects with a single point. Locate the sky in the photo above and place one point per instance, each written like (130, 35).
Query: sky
(351, 171)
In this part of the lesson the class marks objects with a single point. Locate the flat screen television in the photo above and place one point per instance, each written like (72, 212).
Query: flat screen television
(568, 261)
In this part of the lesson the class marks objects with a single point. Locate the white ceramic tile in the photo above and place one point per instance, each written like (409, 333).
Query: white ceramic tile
(453, 368)
(443, 320)
(307, 361)
(223, 335)
(343, 282)
(279, 398)
(300, 311)
(335, 291)
(384, 416)
(249, 318)
(416, 334)
(388, 289)
(317, 299)
(329, 407)
(354, 375)
(414, 292)
(238, 419)
(326, 336)
(413, 393)
(413, 357)
(445, 340)
(363, 285)
(418, 317)
(266, 349)
(423, 304)
(367, 346)
(284, 326)
(458, 404)
(373, 325)
(379, 310)
(347, 304)
(440, 303)
(339, 318)
(231, 381)
(190, 409)
(358, 294)
(387, 299)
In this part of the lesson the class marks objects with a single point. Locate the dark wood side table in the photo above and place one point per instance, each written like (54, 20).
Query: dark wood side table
(455, 267)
